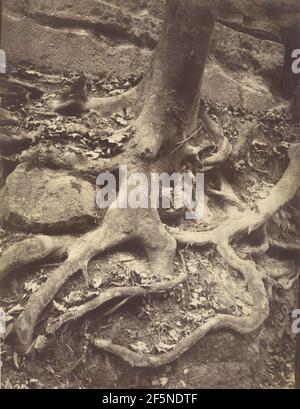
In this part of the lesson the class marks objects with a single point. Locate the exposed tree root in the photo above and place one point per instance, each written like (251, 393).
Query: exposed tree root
(227, 194)
(243, 325)
(167, 114)
(10, 143)
(111, 294)
(118, 227)
(106, 106)
(269, 244)
(221, 237)
(35, 91)
(31, 250)
(219, 157)
(10, 86)
(293, 248)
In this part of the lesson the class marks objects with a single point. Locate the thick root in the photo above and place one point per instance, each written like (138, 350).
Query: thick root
(219, 157)
(282, 193)
(118, 227)
(242, 325)
(111, 294)
(79, 254)
(31, 251)
(108, 105)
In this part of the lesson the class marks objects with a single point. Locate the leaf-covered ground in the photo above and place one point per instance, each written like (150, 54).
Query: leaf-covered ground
(154, 324)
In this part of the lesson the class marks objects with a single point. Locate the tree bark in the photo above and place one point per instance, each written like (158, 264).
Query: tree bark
(168, 111)
(170, 93)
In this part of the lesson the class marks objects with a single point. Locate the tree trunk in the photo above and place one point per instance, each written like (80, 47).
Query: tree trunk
(172, 88)
(168, 112)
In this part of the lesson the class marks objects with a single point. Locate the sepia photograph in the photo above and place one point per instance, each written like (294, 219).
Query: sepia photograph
(149, 197)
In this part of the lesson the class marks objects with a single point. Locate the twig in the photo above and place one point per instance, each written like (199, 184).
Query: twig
(181, 143)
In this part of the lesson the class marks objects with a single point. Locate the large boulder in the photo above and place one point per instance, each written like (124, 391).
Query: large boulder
(118, 39)
(48, 201)
(263, 18)
(242, 70)
(69, 49)
(98, 16)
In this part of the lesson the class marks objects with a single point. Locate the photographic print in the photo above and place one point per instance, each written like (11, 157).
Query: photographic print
(150, 196)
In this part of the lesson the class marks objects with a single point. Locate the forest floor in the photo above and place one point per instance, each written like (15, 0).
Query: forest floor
(156, 323)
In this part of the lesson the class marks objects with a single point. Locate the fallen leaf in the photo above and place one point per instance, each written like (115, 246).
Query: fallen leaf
(59, 307)
(140, 346)
(97, 282)
(15, 359)
(162, 347)
(74, 297)
(40, 343)
(32, 286)
(163, 381)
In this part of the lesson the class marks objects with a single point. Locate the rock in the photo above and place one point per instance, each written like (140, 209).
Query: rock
(239, 61)
(242, 53)
(246, 92)
(69, 49)
(44, 200)
(262, 18)
(98, 16)
(242, 70)
(11, 143)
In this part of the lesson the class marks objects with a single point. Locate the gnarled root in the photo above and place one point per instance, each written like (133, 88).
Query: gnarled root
(79, 253)
(118, 227)
(168, 111)
(31, 251)
(108, 105)
(219, 157)
(111, 294)
(243, 325)
(221, 237)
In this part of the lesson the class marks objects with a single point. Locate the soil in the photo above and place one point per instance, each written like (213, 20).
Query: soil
(264, 359)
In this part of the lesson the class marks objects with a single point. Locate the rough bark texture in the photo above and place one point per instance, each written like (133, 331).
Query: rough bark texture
(169, 111)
